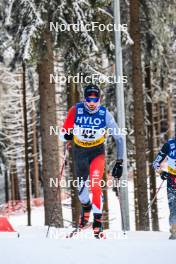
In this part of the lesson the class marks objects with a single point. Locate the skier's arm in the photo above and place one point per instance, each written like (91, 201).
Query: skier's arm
(68, 125)
(161, 156)
(114, 129)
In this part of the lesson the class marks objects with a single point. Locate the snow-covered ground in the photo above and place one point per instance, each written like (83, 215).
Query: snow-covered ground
(34, 248)
(136, 247)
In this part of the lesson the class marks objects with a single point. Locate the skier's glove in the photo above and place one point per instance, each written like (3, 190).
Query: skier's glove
(118, 169)
(68, 136)
(164, 175)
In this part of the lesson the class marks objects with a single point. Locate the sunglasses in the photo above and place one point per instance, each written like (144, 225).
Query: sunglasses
(91, 99)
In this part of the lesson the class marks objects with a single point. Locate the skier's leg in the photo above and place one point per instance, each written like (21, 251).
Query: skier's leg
(81, 166)
(82, 172)
(172, 217)
(96, 175)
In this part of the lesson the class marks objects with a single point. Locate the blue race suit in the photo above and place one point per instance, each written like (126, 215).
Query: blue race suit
(168, 152)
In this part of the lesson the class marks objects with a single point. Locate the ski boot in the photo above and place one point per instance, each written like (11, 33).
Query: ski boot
(173, 232)
(98, 227)
(85, 214)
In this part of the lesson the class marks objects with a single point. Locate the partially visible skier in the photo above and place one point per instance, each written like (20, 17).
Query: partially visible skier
(89, 119)
(168, 153)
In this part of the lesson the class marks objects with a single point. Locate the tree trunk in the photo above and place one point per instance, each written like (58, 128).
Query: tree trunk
(73, 97)
(170, 121)
(139, 121)
(15, 193)
(35, 155)
(6, 180)
(26, 149)
(50, 161)
(6, 186)
(154, 208)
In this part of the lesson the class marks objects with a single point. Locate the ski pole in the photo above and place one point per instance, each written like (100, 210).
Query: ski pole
(154, 198)
(118, 193)
(59, 178)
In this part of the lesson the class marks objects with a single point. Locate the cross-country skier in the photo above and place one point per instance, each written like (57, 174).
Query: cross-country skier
(168, 153)
(89, 119)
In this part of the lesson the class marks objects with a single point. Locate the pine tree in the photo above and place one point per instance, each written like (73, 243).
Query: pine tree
(139, 122)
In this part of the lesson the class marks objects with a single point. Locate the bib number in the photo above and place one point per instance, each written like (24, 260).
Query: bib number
(88, 134)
